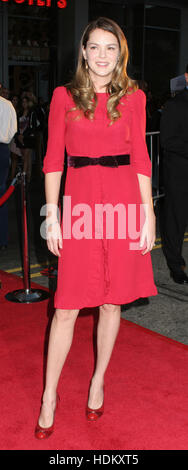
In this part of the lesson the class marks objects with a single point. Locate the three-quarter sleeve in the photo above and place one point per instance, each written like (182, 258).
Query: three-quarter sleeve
(139, 154)
(55, 153)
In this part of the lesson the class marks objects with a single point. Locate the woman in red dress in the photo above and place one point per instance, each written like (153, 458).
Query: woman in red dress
(100, 118)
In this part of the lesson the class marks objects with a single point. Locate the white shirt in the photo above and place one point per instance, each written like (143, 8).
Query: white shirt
(8, 121)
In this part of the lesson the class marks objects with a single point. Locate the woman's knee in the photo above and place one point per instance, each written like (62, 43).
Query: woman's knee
(110, 308)
(66, 314)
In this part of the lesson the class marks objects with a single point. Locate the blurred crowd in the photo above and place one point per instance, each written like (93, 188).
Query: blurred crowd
(28, 146)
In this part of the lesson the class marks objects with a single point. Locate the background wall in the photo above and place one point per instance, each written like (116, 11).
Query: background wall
(71, 24)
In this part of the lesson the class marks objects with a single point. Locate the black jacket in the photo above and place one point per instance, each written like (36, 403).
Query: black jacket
(33, 124)
(29, 133)
(174, 125)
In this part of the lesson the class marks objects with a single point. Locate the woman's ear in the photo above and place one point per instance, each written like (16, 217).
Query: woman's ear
(84, 52)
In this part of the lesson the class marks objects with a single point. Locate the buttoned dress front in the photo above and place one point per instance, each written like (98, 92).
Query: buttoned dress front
(99, 265)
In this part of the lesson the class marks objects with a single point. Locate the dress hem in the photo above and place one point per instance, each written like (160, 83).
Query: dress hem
(108, 301)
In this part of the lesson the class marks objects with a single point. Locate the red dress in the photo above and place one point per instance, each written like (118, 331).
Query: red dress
(95, 269)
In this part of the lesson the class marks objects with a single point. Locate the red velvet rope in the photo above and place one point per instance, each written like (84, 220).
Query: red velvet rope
(7, 194)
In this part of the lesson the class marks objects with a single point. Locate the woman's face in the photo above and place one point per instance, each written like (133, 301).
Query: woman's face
(102, 53)
(24, 103)
(15, 101)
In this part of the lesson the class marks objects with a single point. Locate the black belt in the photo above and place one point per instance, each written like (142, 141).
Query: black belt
(107, 160)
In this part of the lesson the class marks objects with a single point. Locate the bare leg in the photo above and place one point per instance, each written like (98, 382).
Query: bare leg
(108, 327)
(61, 335)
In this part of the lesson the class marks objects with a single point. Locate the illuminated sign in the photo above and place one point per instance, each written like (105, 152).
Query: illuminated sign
(40, 3)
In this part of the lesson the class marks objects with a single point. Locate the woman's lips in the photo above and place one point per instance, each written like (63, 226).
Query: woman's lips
(102, 64)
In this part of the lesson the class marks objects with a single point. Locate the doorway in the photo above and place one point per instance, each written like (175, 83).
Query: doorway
(30, 77)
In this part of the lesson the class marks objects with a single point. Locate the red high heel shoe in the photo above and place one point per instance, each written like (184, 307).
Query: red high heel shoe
(93, 414)
(44, 433)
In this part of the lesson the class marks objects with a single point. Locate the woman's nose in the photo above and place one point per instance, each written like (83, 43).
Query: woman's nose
(102, 52)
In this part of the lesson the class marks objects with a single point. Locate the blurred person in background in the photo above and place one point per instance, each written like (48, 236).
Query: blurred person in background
(40, 135)
(8, 127)
(37, 109)
(5, 93)
(174, 209)
(25, 137)
(15, 151)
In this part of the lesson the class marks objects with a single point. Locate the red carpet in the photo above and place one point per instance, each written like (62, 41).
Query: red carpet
(146, 383)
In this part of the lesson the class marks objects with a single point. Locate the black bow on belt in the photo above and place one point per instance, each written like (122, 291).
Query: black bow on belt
(107, 160)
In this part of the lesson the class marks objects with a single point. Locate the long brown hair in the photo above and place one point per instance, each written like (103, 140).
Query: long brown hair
(81, 86)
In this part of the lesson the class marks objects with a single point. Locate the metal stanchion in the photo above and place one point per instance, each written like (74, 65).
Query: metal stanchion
(158, 194)
(26, 295)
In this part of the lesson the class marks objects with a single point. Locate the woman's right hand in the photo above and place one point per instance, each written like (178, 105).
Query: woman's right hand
(54, 237)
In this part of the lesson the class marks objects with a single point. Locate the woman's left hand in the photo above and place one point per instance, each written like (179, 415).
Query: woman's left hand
(148, 233)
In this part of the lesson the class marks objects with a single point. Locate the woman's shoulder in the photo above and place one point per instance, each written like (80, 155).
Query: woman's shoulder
(136, 100)
(61, 91)
(136, 96)
(61, 98)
